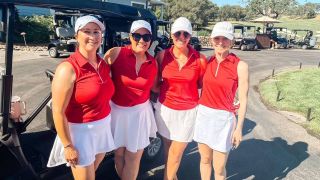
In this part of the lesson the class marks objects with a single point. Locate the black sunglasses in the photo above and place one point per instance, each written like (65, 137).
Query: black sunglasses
(145, 37)
(178, 33)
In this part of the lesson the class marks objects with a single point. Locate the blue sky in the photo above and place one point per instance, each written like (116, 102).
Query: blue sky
(239, 2)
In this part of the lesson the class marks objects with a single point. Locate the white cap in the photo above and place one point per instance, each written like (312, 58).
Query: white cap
(181, 24)
(223, 29)
(84, 20)
(138, 24)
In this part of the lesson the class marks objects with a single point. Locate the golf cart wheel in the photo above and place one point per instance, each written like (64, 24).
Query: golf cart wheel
(304, 46)
(53, 52)
(153, 150)
(243, 47)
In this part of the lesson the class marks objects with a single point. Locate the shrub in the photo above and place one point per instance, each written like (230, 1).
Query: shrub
(37, 29)
(311, 14)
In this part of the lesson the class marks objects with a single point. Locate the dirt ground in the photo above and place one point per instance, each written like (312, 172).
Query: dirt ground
(20, 55)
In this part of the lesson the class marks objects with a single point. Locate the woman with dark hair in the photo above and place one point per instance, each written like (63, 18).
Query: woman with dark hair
(134, 72)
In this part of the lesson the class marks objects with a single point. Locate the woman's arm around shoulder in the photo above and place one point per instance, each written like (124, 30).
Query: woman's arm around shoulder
(203, 67)
(159, 57)
(111, 55)
(156, 84)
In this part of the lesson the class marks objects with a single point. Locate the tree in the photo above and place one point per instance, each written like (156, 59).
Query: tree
(231, 12)
(272, 8)
(310, 10)
(307, 10)
(197, 11)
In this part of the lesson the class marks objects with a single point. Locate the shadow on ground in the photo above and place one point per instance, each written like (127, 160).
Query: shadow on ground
(189, 168)
(259, 159)
(254, 159)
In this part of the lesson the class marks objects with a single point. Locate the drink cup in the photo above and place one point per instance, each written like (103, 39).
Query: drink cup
(18, 108)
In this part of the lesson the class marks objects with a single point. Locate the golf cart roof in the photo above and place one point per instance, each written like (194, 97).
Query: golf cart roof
(105, 9)
(279, 28)
(301, 30)
(241, 25)
(163, 22)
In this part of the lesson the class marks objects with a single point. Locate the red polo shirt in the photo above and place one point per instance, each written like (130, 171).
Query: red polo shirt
(92, 90)
(179, 88)
(220, 83)
(131, 87)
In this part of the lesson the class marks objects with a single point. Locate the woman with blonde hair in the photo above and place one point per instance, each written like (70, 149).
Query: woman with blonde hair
(180, 75)
(217, 129)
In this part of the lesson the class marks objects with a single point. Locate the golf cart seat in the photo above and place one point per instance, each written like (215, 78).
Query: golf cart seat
(71, 41)
(65, 32)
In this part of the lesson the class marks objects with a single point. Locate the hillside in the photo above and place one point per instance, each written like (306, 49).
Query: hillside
(290, 23)
(287, 22)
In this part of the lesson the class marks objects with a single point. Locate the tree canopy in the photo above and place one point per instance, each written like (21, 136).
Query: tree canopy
(203, 11)
(271, 8)
(231, 12)
(197, 11)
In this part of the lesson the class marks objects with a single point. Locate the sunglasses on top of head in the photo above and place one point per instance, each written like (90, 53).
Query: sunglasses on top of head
(178, 33)
(145, 37)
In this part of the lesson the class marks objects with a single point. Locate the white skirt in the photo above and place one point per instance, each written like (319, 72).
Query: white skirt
(176, 125)
(133, 126)
(214, 128)
(89, 139)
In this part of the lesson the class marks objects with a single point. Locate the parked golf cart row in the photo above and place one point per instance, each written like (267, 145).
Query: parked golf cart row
(23, 156)
(117, 32)
(306, 40)
(275, 37)
(245, 37)
(117, 26)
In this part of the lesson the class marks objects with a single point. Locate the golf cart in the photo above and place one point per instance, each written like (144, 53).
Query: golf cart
(24, 154)
(63, 41)
(302, 38)
(163, 34)
(245, 37)
(281, 40)
(194, 40)
(117, 26)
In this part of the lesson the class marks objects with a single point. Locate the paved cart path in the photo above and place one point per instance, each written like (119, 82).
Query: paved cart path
(274, 147)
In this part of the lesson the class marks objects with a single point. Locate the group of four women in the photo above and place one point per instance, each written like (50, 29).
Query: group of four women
(95, 113)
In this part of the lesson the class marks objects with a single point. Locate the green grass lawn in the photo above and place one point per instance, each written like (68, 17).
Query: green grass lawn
(300, 90)
(311, 24)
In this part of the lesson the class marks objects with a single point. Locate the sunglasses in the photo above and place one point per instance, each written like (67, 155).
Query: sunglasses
(178, 33)
(145, 37)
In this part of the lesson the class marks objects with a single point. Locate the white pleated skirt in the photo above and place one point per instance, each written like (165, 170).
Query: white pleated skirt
(214, 128)
(133, 126)
(176, 125)
(89, 139)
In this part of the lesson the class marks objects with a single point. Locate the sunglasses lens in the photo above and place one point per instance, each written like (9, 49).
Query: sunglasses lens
(136, 37)
(177, 34)
(146, 37)
(186, 34)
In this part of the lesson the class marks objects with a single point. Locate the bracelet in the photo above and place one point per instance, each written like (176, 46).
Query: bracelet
(69, 145)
